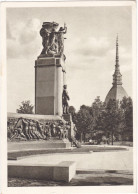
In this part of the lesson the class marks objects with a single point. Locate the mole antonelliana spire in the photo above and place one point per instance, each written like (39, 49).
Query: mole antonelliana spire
(117, 92)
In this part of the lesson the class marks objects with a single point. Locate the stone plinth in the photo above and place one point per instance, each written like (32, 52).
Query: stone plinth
(41, 145)
(41, 118)
(68, 118)
(63, 171)
(49, 85)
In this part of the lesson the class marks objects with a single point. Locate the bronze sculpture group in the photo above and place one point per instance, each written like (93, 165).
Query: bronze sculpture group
(52, 40)
(29, 129)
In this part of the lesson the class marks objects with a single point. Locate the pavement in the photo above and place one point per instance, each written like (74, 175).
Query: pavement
(116, 160)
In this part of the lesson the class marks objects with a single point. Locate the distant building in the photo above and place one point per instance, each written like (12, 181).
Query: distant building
(117, 92)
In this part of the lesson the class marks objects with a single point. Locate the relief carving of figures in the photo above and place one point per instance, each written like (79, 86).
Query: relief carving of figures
(28, 129)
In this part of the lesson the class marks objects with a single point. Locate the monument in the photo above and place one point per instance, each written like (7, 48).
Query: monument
(51, 120)
(117, 92)
(50, 70)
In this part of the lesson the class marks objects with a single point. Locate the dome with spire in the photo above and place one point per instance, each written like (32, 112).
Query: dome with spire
(117, 91)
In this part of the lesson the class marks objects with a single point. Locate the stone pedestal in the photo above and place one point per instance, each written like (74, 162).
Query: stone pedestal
(68, 118)
(49, 85)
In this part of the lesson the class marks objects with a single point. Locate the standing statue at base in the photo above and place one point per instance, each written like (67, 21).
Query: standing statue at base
(65, 98)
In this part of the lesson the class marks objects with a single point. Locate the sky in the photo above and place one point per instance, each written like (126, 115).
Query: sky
(89, 49)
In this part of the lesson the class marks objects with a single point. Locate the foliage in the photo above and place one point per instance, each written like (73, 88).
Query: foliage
(72, 110)
(97, 107)
(113, 121)
(84, 120)
(127, 122)
(25, 108)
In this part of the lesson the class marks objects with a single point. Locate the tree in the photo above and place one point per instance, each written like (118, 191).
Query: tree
(109, 119)
(112, 118)
(72, 110)
(127, 123)
(25, 108)
(97, 107)
(83, 121)
(96, 110)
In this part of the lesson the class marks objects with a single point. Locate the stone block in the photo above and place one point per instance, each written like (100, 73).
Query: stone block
(44, 89)
(45, 61)
(35, 145)
(30, 171)
(64, 171)
(45, 73)
(48, 85)
(41, 118)
(45, 105)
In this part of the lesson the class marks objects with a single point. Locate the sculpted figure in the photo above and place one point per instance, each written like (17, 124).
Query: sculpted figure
(60, 131)
(32, 129)
(18, 130)
(65, 98)
(49, 40)
(61, 33)
(45, 39)
(53, 129)
(40, 129)
(47, 131)
(26, 130)
(10, 127)
(53, 46)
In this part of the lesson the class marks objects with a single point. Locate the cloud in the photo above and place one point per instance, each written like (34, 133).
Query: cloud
(89, 52)
(30, 32)
(92, 46)
(23, 39)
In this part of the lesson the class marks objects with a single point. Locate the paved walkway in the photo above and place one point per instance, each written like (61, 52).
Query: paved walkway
(116, 160)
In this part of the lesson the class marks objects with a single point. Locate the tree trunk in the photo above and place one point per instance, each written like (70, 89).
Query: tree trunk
(112, 137)
(81, 137)
(122, 137)
(84, 137)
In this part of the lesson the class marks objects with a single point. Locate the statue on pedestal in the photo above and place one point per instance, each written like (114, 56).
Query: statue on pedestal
(61, 33)
(52, 40)
(65, 98)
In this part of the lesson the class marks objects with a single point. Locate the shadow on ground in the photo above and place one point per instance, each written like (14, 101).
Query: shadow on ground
(88, 179)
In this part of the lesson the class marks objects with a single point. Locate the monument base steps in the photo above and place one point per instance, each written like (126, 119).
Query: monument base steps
(38, 145)
(67, 117)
